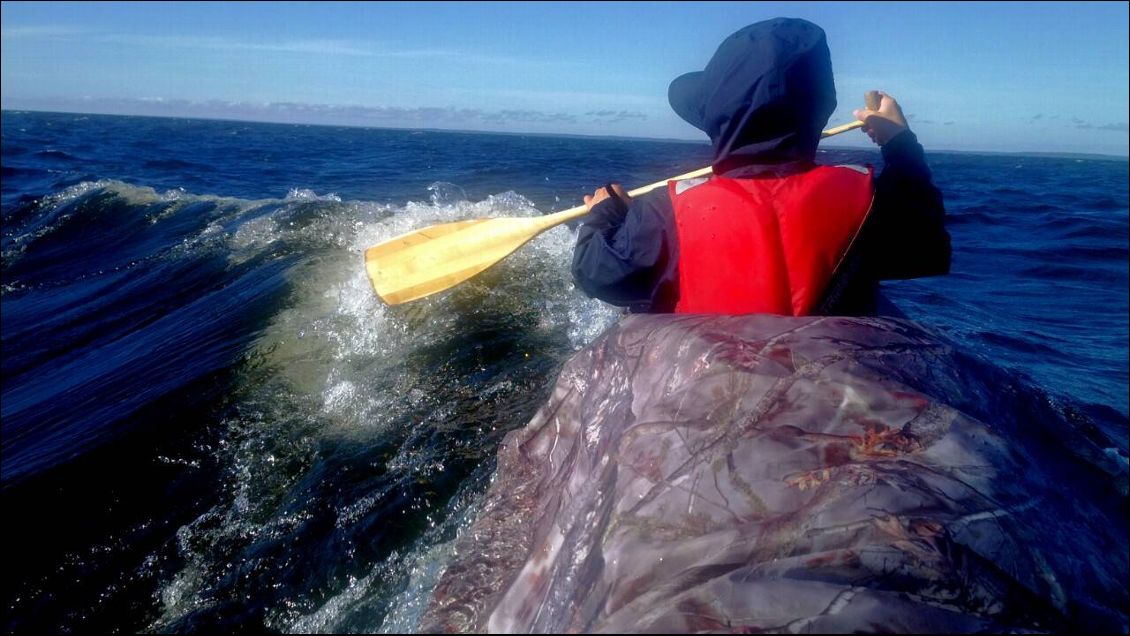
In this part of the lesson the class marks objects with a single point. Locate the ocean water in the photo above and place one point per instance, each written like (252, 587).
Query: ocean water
(210, 422)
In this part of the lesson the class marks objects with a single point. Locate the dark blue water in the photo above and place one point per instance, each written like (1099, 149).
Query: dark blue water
(211, 423)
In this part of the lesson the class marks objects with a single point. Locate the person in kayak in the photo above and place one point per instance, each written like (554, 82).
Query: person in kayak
(771, 231)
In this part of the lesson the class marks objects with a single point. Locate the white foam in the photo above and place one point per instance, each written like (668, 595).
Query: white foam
(305, 194)
(340, 331)
(421, 570)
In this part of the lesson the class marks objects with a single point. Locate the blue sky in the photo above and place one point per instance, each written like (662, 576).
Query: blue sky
(972, 76)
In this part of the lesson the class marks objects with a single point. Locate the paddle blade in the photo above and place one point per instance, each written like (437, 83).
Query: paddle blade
(435, 258)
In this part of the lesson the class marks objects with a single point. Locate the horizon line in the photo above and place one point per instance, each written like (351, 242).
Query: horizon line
(705, 142)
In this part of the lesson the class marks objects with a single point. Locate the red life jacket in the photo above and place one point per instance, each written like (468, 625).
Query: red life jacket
(766, 245)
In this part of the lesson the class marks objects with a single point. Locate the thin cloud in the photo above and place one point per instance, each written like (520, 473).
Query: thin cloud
(40, 31)
(326, 47)
(1083, 125)
(296, 112)
(308, 47)
(1122, 127)
(614, 116)
(1080, 124)
(311, 46)
(317, 46)
(911, 117)
(535, 116)
(455, 56)
(579, 97)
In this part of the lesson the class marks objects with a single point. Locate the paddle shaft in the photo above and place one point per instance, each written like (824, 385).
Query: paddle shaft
(871, 99)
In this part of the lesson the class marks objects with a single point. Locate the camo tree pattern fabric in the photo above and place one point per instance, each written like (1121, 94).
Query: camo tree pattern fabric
(765, 473)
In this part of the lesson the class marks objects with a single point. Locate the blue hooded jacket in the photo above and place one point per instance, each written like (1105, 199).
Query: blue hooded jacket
(763, 99)
(765, 96)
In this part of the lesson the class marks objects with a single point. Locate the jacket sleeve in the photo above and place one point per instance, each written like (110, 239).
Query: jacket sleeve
(624, 253)
(907, 237)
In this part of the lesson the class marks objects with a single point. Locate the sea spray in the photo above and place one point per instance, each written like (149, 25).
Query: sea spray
(350, 390)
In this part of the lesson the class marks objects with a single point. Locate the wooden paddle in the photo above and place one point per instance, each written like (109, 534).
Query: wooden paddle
(430, 260)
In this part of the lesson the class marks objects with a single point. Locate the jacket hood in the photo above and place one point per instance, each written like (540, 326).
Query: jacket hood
(764, 97)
